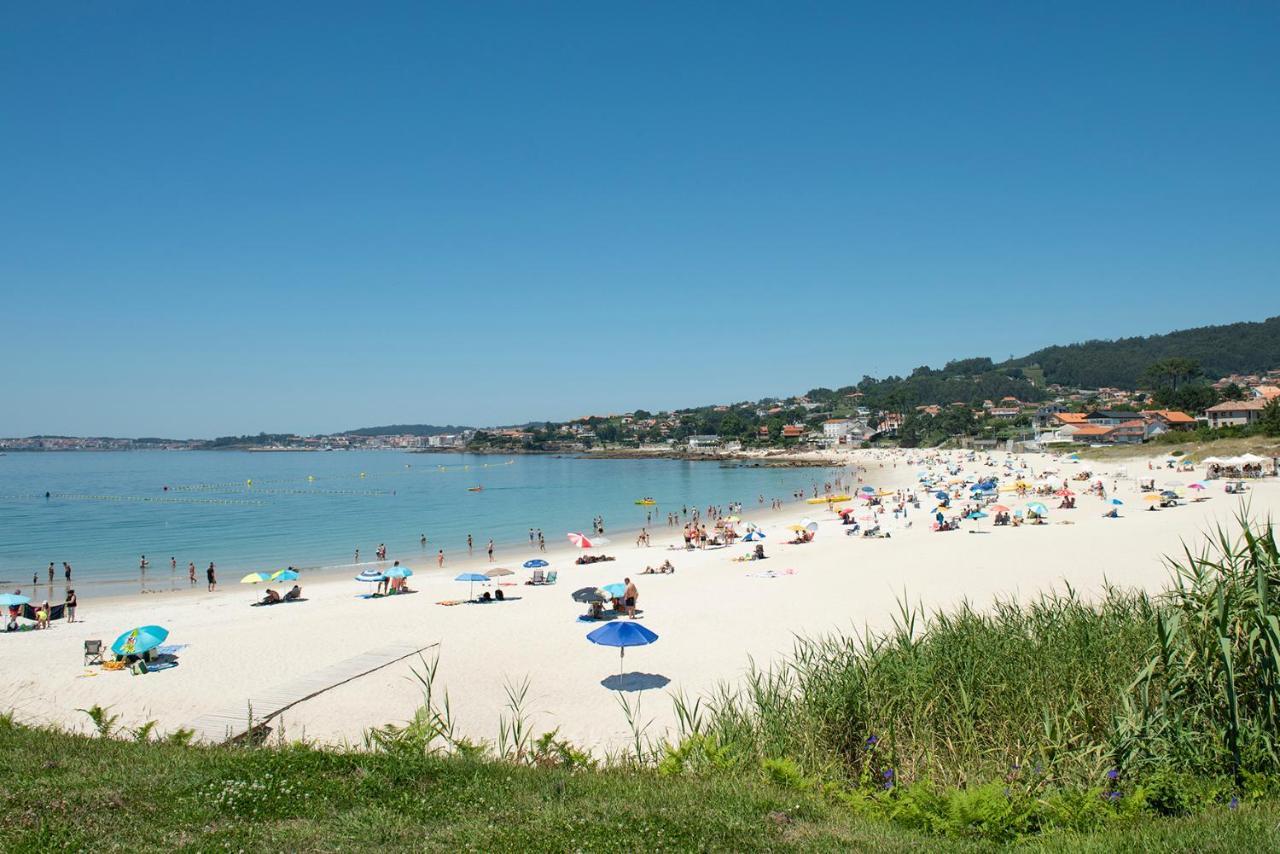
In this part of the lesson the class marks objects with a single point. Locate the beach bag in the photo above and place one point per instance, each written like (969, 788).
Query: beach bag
(138, 668)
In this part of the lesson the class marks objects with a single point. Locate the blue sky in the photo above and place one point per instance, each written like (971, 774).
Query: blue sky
(233, 217)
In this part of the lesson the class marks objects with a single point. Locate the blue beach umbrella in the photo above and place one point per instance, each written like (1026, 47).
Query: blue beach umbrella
(13, 599)
(285, 575)
(1037, 508)
(867, 489)
(614, 590)
(622, 635)
(472, 577)
(941, 496)
(1117, 502)
(536, 563)
(369, 576)
(757, 534)
(139, 640)
(976, 514)
(399, 572)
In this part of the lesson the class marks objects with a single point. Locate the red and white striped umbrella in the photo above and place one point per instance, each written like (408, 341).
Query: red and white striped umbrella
(582, 541)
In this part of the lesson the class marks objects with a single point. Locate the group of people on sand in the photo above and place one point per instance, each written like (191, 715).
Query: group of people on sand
(272, 597)
(42, 613)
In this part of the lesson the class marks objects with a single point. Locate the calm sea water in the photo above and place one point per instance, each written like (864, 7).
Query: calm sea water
(314, 509)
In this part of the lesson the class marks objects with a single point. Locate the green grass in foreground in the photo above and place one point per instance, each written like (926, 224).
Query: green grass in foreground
(66, 791)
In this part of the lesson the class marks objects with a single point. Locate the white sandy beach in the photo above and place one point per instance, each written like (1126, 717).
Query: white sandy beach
(713, 616)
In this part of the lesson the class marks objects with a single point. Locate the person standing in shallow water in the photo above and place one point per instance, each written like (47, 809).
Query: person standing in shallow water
(440, 558)
(490, 549)
(212, 576)
(191, 572)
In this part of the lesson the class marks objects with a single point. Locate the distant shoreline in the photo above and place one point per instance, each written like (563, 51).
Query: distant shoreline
(773, 458)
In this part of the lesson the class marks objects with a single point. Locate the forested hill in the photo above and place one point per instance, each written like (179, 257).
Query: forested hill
(1236, 348)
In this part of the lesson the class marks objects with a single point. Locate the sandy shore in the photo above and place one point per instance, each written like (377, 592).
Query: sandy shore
(714, 616)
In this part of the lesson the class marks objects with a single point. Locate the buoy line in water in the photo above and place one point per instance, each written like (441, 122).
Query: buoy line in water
(251, 483)
(151, 499)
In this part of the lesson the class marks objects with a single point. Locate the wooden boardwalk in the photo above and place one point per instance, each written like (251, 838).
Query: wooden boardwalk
(233, 722)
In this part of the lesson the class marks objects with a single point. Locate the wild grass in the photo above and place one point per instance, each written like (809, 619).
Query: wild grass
(951, 697)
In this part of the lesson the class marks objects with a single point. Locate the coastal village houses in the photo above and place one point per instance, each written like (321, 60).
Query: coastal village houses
(1113, 426)
(1235, 412)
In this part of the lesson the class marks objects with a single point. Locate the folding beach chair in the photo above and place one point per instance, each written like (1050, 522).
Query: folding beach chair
(92, 652)
(551, 577)
(537, 577)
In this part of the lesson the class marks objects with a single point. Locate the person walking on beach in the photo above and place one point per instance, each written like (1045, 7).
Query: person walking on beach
(629, 597)
(490, 549)
(191, 572)
(440, 558)
(51, 572)
(66, 571)
(71, 606)
(212, 575)
(542, 543)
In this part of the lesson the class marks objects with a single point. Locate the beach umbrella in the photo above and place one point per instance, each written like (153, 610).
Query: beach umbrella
(1065, 493)
(1037, 508)
(398, 572)
(941, 496)
(622, 635)
(1151, 498)
(369, 576)
(582, 541)
(976, 514)
(1117, 502)
(498, 571)
(536, 563)
(732, 519)
(1168, 493)
(867, 489)
(614, 590)
(139, 640)
(285, 575)
(809, 524)
(588, 594)
(472, 577)
(999, 508)
(751, 537)
(1197, 486)
(13, 599)
(255, 577)
(796, 528)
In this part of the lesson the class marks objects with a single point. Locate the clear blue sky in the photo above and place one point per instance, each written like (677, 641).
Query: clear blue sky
(231, 217)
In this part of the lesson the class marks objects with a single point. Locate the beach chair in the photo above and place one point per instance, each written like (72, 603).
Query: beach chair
(92, 652)
(537, 577)
(551, 577)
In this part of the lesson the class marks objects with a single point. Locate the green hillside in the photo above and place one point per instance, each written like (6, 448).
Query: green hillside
(1220, 350)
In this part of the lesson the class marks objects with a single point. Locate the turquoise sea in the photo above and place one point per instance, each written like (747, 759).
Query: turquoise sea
(253, 511)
